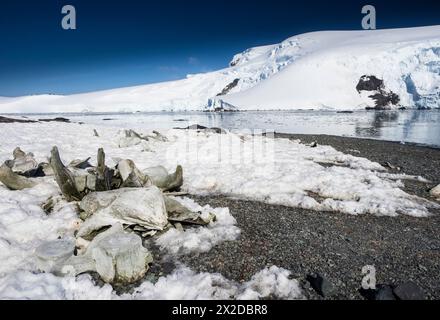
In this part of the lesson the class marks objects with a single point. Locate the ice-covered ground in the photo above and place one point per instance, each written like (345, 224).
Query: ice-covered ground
(238, 165)
(318, 70)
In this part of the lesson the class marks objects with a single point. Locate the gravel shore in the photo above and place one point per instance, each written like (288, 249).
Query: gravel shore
(337, 246)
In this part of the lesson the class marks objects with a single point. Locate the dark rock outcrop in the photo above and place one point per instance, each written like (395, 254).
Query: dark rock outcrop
(370, 83)
(203, 128)
(11, 120)
(58, 119)
(229, 87)
(382, 98)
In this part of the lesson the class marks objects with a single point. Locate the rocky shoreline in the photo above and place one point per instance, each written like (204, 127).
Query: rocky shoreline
(337, 246)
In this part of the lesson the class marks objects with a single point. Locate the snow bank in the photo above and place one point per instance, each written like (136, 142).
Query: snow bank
(25, 285)
(317, 70)
(277, 171)
(271, 282)
(184, 284)
(288, 173)
(24, 225)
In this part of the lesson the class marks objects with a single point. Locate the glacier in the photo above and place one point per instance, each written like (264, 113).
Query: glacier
(318, 70)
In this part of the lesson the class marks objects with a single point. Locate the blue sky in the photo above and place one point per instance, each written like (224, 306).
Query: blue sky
(124, 43)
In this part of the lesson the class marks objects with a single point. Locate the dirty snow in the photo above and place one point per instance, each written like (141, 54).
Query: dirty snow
(185, 284)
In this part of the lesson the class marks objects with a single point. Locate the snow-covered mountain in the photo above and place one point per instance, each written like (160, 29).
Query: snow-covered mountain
(352, 70)
(333, 69)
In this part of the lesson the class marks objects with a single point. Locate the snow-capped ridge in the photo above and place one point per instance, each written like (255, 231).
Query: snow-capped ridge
(317, 70)
(331, 64)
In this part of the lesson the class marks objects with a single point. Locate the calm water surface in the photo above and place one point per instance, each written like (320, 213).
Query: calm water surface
(417, 126)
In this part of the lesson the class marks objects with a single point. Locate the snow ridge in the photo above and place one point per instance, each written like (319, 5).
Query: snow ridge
(318, 70)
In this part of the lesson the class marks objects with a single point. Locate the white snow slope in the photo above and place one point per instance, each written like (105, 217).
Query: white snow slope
(329, 65)
(310, 71)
